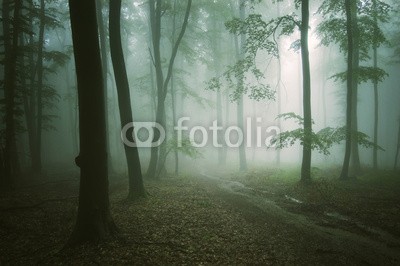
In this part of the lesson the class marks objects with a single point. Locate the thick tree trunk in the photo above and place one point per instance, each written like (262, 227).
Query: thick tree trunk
(104, 60)
(72, 110)
(136, 188)
(351, 8)
(94, 221)
(306, 161)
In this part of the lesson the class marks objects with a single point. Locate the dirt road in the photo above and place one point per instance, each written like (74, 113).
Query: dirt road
(326, 238)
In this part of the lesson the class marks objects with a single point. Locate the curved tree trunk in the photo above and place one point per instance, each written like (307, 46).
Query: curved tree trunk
(162, 84)
(136, 188)
(94, 221)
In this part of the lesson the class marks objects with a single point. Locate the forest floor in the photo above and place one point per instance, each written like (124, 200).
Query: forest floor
(260, 217)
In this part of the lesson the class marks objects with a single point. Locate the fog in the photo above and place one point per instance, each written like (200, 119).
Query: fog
(219, 93)
(196, 65)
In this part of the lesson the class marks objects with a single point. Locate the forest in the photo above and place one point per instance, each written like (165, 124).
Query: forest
(216, 132)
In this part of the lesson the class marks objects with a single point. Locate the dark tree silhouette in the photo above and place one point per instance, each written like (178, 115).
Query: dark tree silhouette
(94, 219)
(136, 188)
(351, 27)
(37, 151)
(11, 30)
(161, 82)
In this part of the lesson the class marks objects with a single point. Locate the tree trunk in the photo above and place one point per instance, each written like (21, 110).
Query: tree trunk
(376, 96)
(279, 94)
(94, 220)
(216, 53)
(355, 154)
(239, 115)
(11, 164)
(306, 161)
(26, 91)
(173, 97)
(351, 8)
(396, 158)
(162, 85)
(136, 188)
(37, 155)
(104, 60)
(155, 21)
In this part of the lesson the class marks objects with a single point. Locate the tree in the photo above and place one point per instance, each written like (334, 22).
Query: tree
(366, 35)
(94, 220)
(306, 161)
(35, 63)
(11, 30)
(240, 52)
(265, 40)
(37, 156)
(161, 82)
(396, 157)
(351, 29)
(104, 59)
(136, 188)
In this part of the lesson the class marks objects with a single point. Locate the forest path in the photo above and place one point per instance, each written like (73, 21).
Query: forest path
(338, 234)
(202, 220)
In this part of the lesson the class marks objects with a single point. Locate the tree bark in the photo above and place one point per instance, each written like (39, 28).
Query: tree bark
(104, 59)
(396, 158)
(350, 7)
(239, 114)
(37, 154)
(376, 95)
(355, 154)
(136, 188)
(94, 220)
(306, 161)
(11, 163)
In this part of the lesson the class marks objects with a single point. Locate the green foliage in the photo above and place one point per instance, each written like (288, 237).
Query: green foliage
(185, 148)
(395, 34)
(364, 74)
(333, 28)
(321, 141)
(260, 36)
(298, 119)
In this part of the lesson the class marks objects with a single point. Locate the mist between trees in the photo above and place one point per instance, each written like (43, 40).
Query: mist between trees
(234, 84)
